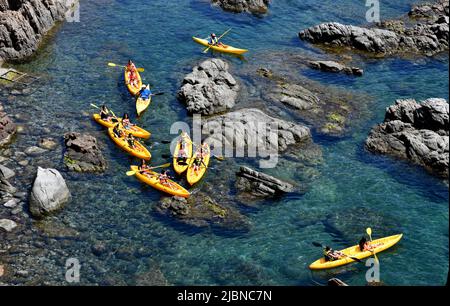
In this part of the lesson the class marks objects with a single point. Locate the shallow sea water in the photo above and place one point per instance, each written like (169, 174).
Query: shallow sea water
(113, 208)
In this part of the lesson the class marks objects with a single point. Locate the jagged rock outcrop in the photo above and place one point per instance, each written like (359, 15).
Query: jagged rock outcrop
(239, 6)
(418, 132)
(83, 153)
(251, 130)
(260, 184)
(49, 192)
(429, 36)
(209, 88)
(23, 23)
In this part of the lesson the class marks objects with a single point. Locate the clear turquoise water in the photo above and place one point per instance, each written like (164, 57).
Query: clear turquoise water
(396, 196)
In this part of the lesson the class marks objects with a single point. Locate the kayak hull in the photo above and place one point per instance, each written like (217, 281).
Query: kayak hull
(133, 90)
(194, 177)
(142, 105)
(189, 149)
(174, 189)
(135, 130)
(140, 151)
(381, 245)
(223, 49)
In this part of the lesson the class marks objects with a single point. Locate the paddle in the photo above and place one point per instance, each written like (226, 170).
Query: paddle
(317, 244)
(226, 32)
(369, 232)
(132, 172)
(115, 65)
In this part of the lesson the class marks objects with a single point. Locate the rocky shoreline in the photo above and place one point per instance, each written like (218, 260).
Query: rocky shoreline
(418, 132)
(428, 34)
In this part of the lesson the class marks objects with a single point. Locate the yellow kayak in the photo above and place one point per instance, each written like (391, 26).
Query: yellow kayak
(193, 176)
(220, 48)
(134, 130)
(132, 89)
(188, 147)
(141, 105)
(379, 246)
(139, 151)
(152, 179)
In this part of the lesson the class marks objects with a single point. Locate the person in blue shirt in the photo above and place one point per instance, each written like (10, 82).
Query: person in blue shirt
(145, 92)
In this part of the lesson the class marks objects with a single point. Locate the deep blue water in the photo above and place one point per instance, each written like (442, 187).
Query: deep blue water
(118, 210)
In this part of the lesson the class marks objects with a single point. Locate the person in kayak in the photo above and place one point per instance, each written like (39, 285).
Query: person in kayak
(104, 114)
(117, 131)
(198, 162)
(145, 92)
(131, 65)
(331, 255)
(143, 168)
(126, 121)
(133, 78)
(182, 156)
(213, 40)
(130, 141)
(164, 179)
(364, 245)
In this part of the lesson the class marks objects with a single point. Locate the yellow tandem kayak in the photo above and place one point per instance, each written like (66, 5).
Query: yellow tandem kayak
(152, 179)
(194, 176)
(220, 48)
(139, 151)
(188, 147)
(379, 246)
(134, 130)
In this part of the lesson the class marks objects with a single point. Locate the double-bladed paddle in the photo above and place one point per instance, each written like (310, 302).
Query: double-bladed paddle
(121, 66)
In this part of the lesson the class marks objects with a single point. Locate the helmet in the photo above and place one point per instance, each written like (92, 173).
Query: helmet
(213, 35)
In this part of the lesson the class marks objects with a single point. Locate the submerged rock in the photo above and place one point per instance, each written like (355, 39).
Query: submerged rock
(260, 184)
(7, 225)
(209, 88)
(7, 128)
(83, 153)
(332, 66)
(23, 24)
(200, 210)
(239, 6)
(6, 172)
(49, 192)
(336, 282)
(418, 132)
(429, 37)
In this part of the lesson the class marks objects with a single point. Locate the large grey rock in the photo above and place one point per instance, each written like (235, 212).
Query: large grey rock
(83, 153)
(428, 37)
(49, 192)
(23, 23)
(239, 6)
(209, 88)
(250, 129)
(332, 66)
(6, 172)
(260, 184)
(416, 132)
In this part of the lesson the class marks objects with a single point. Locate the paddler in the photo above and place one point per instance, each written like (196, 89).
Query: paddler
(198, 161)
(132, 77)
(117, 131)
(104, 113)
(144, 167)
(213, 40)
(126, 121)
(145, 92)
(130, 141)
(164, 178)
(364, 245)
(331, 255)
(131, 65)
